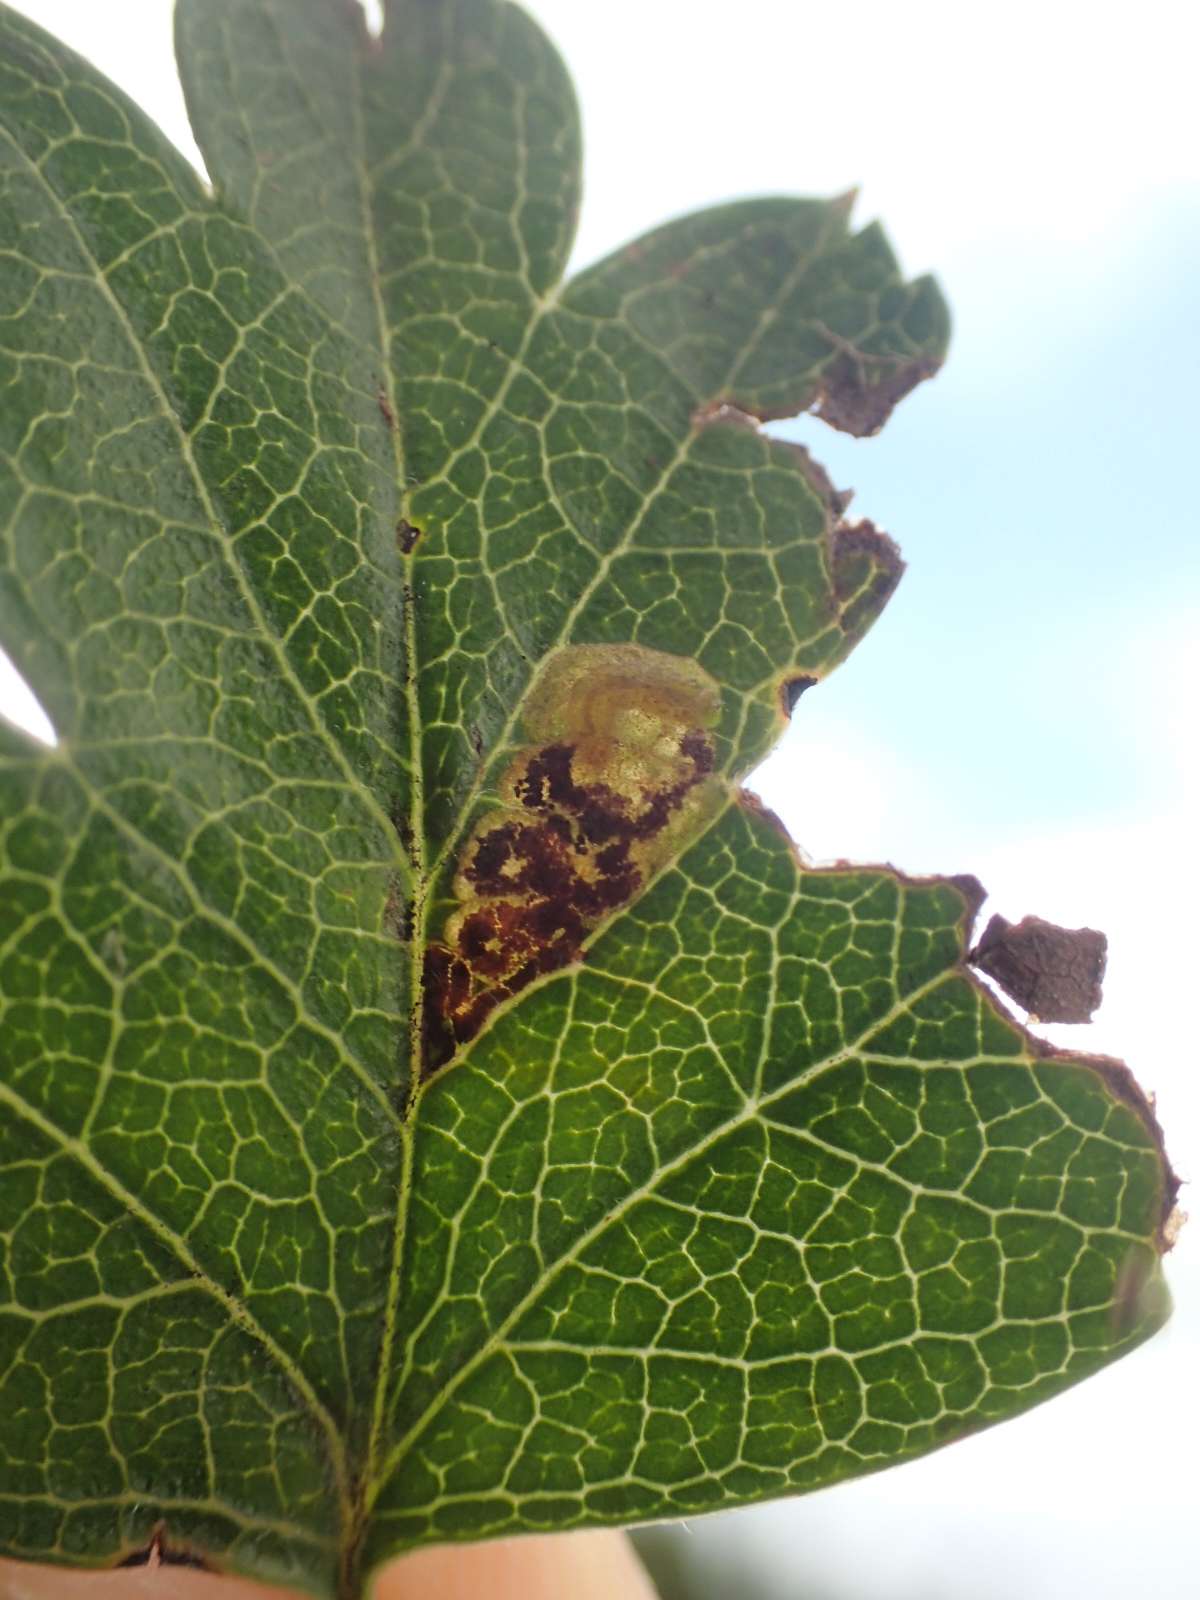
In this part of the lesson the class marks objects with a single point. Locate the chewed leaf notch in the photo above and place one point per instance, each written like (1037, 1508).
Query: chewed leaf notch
(618, 776)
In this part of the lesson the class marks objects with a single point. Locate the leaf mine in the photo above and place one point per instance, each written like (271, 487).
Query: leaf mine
(617, 778)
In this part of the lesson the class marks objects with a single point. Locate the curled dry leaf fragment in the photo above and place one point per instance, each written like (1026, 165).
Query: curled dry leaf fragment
(1054, 973)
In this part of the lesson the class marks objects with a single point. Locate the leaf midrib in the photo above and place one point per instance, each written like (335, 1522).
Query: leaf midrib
(415, 847)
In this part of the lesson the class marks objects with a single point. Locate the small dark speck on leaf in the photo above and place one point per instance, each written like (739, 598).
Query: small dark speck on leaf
(407, 534)
(1054, 973)
(401, 824)
(398, 915)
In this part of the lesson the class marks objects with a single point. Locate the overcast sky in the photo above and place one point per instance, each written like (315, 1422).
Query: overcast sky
(1026, 708)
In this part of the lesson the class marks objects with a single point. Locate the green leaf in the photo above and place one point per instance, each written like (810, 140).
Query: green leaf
(434, 1100)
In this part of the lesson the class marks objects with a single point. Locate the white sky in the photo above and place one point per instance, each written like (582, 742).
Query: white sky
(1035, 151)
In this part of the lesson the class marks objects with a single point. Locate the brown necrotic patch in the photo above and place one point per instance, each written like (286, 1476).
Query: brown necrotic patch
(866, 569)
(619, 779)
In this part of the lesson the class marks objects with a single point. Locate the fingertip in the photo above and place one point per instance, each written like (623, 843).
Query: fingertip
(594, 1565)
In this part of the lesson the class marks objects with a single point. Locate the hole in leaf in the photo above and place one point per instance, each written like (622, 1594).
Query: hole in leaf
(19, 704)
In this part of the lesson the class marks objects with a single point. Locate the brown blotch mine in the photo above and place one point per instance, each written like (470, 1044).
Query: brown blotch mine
(1054, 973)
(617, 777)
